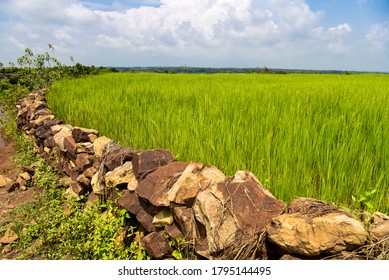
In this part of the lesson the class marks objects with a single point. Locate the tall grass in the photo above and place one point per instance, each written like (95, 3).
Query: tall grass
(322, 136)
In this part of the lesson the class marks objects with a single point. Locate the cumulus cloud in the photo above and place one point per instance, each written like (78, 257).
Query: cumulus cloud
(236, 31)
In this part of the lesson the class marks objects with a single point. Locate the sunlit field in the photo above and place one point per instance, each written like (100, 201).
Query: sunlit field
(302, 135)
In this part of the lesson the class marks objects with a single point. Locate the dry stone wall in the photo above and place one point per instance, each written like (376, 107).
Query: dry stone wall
(222, 217)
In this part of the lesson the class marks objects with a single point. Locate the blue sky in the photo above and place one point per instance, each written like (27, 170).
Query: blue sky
(303, 34)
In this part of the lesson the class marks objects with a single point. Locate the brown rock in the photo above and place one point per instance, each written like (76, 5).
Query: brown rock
(195, 177)
(131, 201)
(155, 187)
(84, 147)
(43, 131)
(156, 245)
(173, 231)
(312, 235)
(59, 138)
(92, 138)
(380, 227)
(70, 145)
(25, 176)
(78, 188)
(146, 220)
(49, 142)
(71, 193)
(9, 237)
(92, 198)
(5, 181)
(65, 181)
(39, 121)
(83, 161)
(83, 180)
(118, 157)
(311, 206)
(97, 184)
(21, 182)
(11, 187)
(89, 172)
(61, 127)
(147, 161)
(184, 216)
(100, 144)
(82, 134)
(43, 112)
(234, 211)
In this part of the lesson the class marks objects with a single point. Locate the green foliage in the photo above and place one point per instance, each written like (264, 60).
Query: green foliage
(364, 200)
(40, 70)
(182, 249)
(303, 135)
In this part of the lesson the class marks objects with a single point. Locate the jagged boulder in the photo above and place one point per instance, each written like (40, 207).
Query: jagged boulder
(100, 144)
(118, 157)
(157, 245)
(147, 161)
(60, 135)
(314, 227)
(155, 187)
(195, 177)
(234, 210)
(84, 134)
(122, 175)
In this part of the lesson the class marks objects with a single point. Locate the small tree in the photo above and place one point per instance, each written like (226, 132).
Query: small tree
(40, 70)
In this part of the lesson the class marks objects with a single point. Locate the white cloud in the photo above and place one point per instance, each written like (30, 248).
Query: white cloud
(16, 43)
(211, 32)
(378, 36)
(340, 29)
(63, 35)
(334, 37)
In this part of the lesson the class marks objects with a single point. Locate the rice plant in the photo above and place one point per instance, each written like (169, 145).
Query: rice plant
(302, 135)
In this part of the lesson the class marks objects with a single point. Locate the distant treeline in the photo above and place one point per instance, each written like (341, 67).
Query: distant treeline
(210, 70)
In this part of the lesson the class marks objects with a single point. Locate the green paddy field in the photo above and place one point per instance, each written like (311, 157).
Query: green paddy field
(302, 135)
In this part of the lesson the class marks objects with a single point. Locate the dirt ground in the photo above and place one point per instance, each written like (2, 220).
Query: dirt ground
(11, 200)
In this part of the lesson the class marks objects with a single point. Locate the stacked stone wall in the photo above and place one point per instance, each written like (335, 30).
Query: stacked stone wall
(221, 217)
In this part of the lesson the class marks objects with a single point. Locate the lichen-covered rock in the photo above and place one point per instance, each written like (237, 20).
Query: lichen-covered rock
(163, 218)
(120, 176)
(316, 230)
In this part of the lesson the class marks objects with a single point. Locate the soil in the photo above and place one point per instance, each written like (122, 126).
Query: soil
(9, 201)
